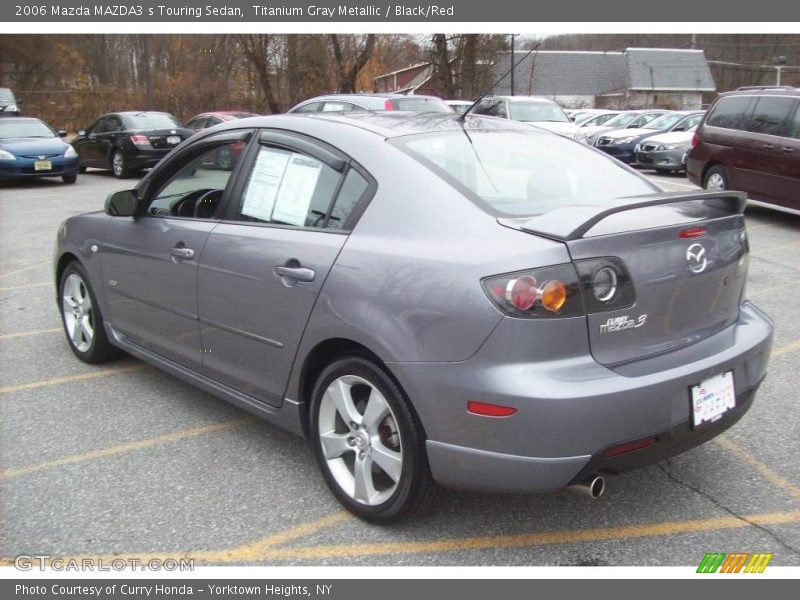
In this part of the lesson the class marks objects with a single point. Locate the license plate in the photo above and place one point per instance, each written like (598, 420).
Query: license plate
(174, 140)
(43, 165)
(712, 398)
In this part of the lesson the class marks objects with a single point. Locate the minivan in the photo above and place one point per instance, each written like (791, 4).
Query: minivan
(750, 141)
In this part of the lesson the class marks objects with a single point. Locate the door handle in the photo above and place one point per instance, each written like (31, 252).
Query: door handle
(768, 146)
(296, 273)
(182, 252)
(788, 150)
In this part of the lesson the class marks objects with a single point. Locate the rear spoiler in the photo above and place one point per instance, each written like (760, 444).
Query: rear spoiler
(573, 222)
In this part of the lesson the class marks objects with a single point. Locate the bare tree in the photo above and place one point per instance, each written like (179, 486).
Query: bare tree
(350, 54)
(257, 50)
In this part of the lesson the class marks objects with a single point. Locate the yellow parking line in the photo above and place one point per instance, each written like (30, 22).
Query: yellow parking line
(530, 539)
(26, 286)
(122, 448)
(9, 336)
(763, 469)
(23, 269)
(786, 348)
(72, 378)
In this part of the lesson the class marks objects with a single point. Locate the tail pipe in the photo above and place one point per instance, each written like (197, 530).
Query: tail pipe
(593, 487)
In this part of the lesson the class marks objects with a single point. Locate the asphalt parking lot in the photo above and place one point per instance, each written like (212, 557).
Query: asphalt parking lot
(123, 460)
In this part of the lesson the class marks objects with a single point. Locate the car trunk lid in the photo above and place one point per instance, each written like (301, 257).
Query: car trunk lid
(687, 272)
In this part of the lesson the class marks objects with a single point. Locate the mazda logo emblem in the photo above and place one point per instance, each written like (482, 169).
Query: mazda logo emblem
(696, 258)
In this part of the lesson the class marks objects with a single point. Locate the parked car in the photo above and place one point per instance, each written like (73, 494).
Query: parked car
(632, 119)
(209, 119)
(459, 106)
(127, 142)
(226, 157)
(621, 143)
(665, 152)
(371, 102)
(475, 301)
(540, 112)
(750, 141)
(29, 148)
(9, 107)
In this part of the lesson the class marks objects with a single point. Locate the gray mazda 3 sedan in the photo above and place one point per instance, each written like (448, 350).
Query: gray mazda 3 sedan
(428, 298)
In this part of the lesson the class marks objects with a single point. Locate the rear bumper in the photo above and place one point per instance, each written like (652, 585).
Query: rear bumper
(571, 409)
(142, 159)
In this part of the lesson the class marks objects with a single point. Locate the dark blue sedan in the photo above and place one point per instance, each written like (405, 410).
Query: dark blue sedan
(31, 148)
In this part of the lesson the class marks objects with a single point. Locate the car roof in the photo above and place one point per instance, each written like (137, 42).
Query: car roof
(391, 124)
(524, 99)
(765, 90)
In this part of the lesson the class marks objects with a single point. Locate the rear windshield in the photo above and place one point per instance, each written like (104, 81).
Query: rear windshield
(152, 121)
(519, 173)
(536, 112)
(24, 128)
(421, 105)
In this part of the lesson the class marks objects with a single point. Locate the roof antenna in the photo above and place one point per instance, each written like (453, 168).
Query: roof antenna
(463, 116)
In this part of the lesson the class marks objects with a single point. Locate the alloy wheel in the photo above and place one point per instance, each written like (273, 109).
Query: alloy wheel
(715, 182)
(118, 164)
(78, 313)
(360, 440)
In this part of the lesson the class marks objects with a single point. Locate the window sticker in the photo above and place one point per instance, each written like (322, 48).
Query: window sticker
(297, 190)
(265, 181)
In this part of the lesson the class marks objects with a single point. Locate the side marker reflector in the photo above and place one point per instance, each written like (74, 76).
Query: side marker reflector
(485, 409)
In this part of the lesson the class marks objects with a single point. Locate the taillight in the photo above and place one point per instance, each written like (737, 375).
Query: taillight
(695, 140)
(486, 409)
(692, 232)
(388, 105)
(140, 140)
(545, 292)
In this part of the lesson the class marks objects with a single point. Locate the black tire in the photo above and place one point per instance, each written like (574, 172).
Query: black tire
(121, 171)
(69, 178)
(415, 489)
(717, 173)
(82, 169)
(100, 350)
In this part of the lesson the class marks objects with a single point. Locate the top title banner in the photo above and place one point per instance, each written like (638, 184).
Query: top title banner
(528, 11)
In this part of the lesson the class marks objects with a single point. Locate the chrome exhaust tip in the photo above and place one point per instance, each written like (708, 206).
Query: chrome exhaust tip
(592, 487)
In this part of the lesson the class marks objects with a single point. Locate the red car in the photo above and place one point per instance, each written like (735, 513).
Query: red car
(226, 157)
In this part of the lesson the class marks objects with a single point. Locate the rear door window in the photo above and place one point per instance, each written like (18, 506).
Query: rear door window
(729, 112)
(794, 125)
(770, 115)
(310, 107)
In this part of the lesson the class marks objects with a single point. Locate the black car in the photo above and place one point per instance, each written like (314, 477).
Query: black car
(126, 142)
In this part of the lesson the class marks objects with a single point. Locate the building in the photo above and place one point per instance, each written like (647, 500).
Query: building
(416, 79)
(635, 78)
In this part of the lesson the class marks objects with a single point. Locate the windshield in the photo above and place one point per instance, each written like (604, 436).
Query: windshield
(664, 121)
(421, 105)
(24, 128)
(621, 120)
(152, 121)
(537, 111)
(6, 97)
(520, 173)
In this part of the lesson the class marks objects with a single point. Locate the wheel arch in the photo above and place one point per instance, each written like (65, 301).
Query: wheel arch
(61, 265)
(322, 355)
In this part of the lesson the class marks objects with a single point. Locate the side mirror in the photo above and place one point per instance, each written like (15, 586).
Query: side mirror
(62, 133)
(81, 132)
(122, 204)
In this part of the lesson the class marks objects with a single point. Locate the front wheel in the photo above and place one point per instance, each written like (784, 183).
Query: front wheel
(69, 178)
(80, 315)
(369, 442)
(716, 179)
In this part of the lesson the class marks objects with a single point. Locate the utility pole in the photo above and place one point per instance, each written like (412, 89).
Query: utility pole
(148, 75)
(694, 41)
(513, 35)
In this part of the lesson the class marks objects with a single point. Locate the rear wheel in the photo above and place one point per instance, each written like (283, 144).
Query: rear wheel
(716, 178)
(80, 315)
(369, 443)
(119, 166)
